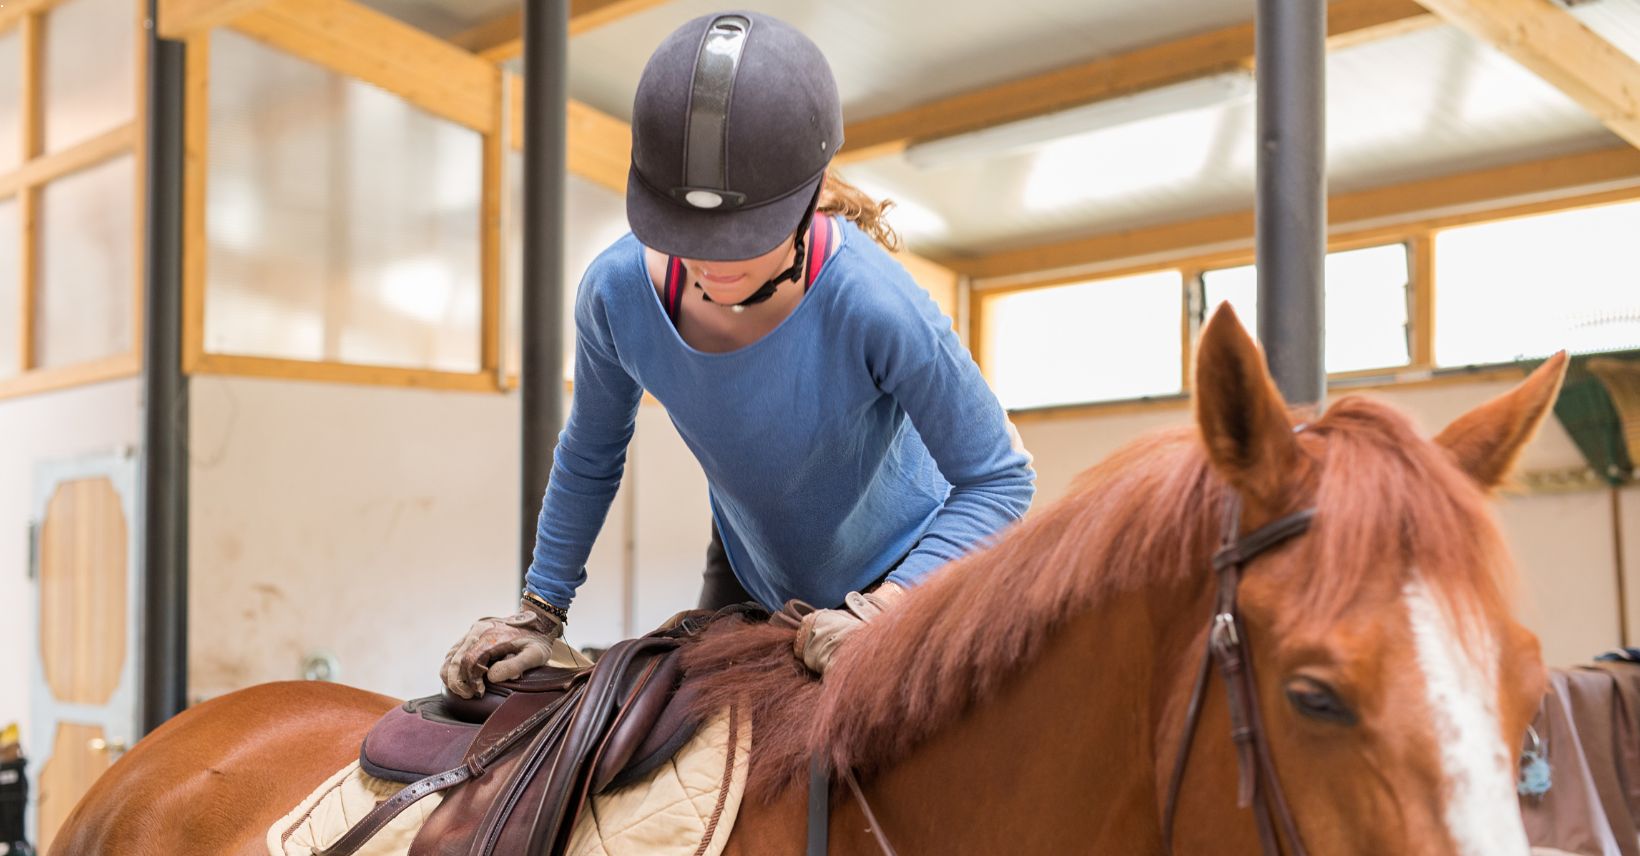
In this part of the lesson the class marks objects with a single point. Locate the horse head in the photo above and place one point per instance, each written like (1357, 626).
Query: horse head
(1394, 683)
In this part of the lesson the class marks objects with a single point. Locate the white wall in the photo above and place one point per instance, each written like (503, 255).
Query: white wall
(1562, 543)
(377, 524)
(74, 423)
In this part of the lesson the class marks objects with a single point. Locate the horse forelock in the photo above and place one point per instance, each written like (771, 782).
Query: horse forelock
(1146, 516)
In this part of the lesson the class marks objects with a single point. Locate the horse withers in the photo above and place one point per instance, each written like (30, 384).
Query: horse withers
(1034, 697)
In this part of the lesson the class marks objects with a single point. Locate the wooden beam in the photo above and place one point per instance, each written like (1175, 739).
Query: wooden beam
(28, 209)
(1202, 55)
(500, 39)
(1421, 282)
(79, 374)
(1439, 201)
(1556, 46)
(196, 94)
(351, 373)
(179, 19)
(362, 43)
(15, 11)
(600, 145)
(89, 153)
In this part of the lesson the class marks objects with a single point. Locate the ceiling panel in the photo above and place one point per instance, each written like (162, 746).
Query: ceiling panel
(1420, 105)
(891, 55)
(1618, 21)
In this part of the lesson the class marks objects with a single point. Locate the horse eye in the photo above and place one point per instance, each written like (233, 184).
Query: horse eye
(1316, 700)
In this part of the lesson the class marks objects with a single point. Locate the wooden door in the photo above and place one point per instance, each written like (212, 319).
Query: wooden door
(83, 706)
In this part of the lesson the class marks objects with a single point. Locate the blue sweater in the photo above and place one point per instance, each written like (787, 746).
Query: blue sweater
(856, 437)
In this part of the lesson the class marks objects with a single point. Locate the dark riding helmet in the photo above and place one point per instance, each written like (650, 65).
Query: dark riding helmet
(735, 119)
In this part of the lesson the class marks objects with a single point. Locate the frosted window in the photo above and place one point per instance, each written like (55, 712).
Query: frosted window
(1529, 287)
(1366, 305)
(342, 223)
(11, 99)
(88, 70)
(594, 218)
(1094, 341)
(11, 325)
(87, 276)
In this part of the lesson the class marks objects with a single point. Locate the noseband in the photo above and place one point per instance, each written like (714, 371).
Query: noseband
(1227, 646)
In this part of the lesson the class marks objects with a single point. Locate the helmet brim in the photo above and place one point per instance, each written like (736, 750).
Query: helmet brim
(678, 229)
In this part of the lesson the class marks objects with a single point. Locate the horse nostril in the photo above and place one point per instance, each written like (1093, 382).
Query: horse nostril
(1316, 700)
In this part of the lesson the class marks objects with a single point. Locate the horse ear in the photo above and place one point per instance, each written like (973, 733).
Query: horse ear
(1241, 414)
(1486, 441)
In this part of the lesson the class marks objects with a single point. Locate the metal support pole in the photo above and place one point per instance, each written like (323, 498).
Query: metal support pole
(1291, 205)
(546, 45)
(164, 474)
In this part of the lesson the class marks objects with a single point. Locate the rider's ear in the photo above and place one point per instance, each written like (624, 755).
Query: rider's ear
(1486, 441)
(1242, 417)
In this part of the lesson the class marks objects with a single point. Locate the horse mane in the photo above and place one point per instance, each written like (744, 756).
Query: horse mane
(1388, 501)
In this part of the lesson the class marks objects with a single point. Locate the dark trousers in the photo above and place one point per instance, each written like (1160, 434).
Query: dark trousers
(719, 588)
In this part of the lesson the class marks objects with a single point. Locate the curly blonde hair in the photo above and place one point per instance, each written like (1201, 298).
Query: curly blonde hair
(845, 200)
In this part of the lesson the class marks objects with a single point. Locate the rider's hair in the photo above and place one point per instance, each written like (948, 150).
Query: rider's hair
(843, 199)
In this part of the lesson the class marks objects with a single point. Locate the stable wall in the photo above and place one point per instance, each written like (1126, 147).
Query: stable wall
(1562, 542)
(74, 423)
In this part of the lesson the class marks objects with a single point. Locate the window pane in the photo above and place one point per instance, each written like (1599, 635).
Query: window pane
(342, 223)
(1532, 286)
(1366, 306)
(88, 70)
(11, 324)
(595, 217)
(1094, 341)
(86, 243)
(11, 99)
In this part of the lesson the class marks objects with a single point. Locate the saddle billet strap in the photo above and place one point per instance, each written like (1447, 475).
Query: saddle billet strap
(1226, 646)
(819, 806)
(820, 809)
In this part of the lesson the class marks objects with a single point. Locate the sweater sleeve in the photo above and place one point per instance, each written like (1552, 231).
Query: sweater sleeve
(915, 356)
(590, 456)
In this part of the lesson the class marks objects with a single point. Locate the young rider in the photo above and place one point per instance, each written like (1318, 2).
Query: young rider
(849, 442)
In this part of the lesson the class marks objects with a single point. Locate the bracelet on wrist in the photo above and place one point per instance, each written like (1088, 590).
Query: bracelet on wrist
(557, 612)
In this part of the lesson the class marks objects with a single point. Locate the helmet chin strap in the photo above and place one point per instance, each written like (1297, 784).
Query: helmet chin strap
(791, 274)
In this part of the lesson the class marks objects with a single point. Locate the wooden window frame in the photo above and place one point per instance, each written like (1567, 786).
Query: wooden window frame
(1420, 370)
(428, 73)
(37, 170)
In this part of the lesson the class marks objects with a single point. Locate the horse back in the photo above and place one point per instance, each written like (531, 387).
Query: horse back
(215, 778)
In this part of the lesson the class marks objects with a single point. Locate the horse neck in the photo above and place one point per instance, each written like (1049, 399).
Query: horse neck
(1062, 759)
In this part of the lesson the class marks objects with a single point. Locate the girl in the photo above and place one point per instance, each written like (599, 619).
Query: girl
(850, 444)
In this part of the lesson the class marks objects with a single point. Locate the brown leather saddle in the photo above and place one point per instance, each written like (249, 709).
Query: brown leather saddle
(519, 764)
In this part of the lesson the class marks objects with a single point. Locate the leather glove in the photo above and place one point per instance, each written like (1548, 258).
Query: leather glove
(822, 631)
(501, 648)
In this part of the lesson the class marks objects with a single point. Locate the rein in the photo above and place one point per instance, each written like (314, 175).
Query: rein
(1226, 645)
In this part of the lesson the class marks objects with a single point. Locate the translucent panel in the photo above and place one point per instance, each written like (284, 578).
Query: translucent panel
(342, 223)
(11, 99)
(11, 324)
(1094, 341)
(595, 217)
(88, 69)
(1529, 287)
(86, 246)
(1366, 305)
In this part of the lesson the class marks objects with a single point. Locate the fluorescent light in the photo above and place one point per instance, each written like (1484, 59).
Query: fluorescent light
(1202, 92)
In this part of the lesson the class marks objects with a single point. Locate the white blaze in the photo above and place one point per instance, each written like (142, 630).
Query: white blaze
(1482, 813)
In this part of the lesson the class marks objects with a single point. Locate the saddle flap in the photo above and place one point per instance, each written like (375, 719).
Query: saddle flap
(675, 725)
(640, 711)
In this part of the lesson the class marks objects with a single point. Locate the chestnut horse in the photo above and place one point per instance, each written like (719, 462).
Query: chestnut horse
(1031, 698)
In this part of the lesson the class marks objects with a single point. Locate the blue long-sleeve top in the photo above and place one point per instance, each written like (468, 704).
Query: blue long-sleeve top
(856, 437)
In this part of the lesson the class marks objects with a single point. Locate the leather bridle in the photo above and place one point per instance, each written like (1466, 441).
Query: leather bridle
(1227, 646)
